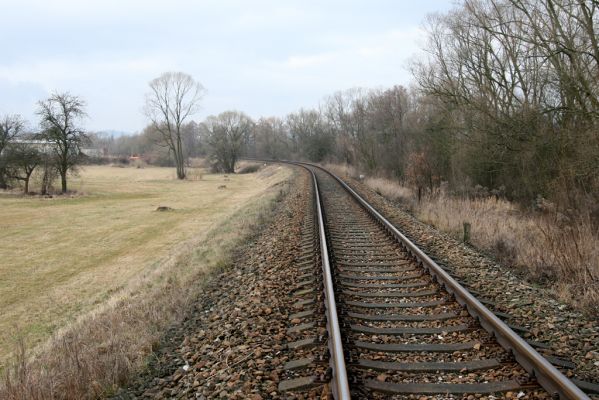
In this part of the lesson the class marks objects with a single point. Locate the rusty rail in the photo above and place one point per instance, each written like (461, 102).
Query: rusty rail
(339, 383)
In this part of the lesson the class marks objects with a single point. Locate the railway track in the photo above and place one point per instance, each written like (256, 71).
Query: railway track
(377, 318)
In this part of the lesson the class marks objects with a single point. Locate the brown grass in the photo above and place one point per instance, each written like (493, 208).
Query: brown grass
(547, 247)
(390, 190)
(342, 170)
(91, 356)
(561, 254)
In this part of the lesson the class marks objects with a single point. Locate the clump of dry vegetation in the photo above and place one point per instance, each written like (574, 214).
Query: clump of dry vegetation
(549, 248)
(195, 174)
(92, 356)
(383, 186)
(390, 190)
(342, 170)
(247, 167)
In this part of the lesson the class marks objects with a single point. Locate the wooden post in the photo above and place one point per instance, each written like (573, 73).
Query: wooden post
(467, 232)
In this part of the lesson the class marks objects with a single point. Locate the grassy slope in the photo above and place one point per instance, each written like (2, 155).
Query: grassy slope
(63, 257)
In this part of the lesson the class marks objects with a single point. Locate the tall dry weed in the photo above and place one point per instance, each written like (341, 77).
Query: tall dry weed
(98, 354)
(343, 170)
(567, 253)
(195, 174)
(564, 256)
(391, 190)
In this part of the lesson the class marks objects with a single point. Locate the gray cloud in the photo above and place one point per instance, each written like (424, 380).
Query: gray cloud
(263, 57)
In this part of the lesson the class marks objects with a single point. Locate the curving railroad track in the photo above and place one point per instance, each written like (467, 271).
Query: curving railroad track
(377, 318)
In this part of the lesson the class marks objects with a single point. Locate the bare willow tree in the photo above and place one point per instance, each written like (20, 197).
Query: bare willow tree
(173, 97)
(226, 135)
(60, 116)
(11, 127)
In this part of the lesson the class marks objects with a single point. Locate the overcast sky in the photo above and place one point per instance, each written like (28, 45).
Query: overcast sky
(261, 57)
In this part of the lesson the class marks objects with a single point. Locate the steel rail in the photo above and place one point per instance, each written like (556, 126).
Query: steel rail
(549, 377)
(339, 385)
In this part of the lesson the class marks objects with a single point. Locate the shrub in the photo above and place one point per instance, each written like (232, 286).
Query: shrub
(249, 169)
(195, 174)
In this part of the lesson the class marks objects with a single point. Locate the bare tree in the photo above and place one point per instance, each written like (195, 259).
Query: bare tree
(11, 126)
(226, 134)
(22, 159)
(173, 97)
(60, 115)
(271, 140)
(519, 78)
(309, 130)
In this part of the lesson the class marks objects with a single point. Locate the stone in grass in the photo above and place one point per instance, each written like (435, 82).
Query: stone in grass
(164, 208)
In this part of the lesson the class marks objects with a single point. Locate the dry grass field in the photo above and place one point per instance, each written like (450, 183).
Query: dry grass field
(64, 257)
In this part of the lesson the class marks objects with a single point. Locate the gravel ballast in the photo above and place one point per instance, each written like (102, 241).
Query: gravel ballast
(568, 334)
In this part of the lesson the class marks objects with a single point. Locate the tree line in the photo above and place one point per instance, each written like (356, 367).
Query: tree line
(514, 84)
(506, 99)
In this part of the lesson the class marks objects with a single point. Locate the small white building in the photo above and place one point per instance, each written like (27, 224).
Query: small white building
(42, 145)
